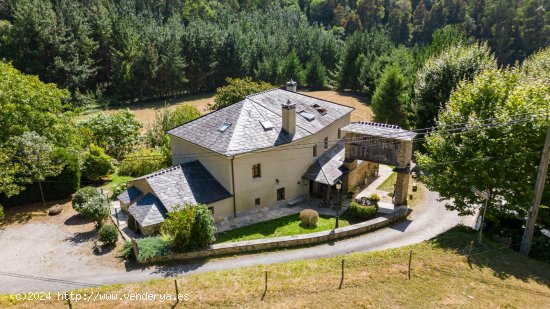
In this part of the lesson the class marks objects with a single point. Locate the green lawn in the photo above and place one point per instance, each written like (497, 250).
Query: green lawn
(116, 179)
(387, 185)
(285, 226)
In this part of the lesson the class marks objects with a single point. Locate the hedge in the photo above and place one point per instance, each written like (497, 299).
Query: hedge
(55, 188)
(360, 211)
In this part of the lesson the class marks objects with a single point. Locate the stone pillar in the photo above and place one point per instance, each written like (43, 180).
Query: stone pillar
(401, 189)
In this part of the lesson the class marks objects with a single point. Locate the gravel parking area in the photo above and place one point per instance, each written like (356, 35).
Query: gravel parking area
(54, 246)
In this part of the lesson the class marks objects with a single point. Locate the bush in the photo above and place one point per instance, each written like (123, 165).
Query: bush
(118, 189)
(108, 234)
(96, 163)
(143, 161)
(361, 212)
(152, 246)
(83, 195)
(374, 199)
(203, 231)
(127, 251)
(309, 217)
(90, 203)
(189, 227)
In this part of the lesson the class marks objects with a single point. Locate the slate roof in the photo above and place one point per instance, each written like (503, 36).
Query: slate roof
(148, 210)
(329, 166)
(130, 195)
(380, 130)
(186, 183)
(246, 133)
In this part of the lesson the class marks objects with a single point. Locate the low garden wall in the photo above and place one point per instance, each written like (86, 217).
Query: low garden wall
(285, 241)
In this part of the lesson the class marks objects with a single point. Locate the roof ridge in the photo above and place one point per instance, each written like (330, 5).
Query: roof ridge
(378, 124)
(162, 171)
(261, 92)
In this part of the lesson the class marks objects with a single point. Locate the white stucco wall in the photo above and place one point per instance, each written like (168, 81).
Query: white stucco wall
(286, 163)
(218, 165)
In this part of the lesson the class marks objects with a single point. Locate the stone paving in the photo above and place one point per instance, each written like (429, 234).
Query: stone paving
(121, 219)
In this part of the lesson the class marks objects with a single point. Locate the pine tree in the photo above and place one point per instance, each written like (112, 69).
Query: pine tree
(390, 97)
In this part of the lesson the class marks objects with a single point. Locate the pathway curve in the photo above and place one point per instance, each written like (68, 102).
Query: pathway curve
(424, 223)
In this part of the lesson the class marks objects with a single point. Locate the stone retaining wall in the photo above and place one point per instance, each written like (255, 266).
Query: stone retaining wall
(286, 241)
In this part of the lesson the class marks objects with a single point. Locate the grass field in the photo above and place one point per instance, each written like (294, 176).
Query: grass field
(285, 226)
(440, 277)
(145, 111)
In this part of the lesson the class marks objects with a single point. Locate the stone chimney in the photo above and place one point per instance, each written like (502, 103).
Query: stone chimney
(289, 117)
(291, 85)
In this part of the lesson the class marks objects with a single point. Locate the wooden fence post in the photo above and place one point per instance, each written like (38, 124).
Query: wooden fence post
(342, 279)
(410, 261)
(265, 290)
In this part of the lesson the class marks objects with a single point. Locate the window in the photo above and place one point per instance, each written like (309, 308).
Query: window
(224, 126)
(314, 150)
(257, 202)
(280, 194)
(340, 133)
(211, 209)
(257, 170)
(326, 142)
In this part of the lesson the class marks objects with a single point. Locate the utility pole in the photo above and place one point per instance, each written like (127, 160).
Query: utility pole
(539, 187)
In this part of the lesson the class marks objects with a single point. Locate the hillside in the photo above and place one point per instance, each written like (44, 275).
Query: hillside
(441, 276)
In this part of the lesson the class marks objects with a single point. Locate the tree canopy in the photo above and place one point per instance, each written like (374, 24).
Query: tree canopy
(501, 158)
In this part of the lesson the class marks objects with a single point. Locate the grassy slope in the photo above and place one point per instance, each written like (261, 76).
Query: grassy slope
(441, 277)
(284, 226)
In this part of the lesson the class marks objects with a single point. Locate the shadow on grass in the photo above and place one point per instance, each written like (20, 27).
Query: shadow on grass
(500, 259)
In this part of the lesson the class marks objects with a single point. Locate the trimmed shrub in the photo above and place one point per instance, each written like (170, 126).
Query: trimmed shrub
(361, 212)
(108, 234)
(143, 161)
(189, 227)
(374, 199)
(96, 163)
(309, 217)
(91, 204)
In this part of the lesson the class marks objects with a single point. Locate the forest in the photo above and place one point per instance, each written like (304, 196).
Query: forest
(123, 51)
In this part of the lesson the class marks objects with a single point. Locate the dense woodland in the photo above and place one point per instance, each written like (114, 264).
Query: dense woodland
(127, 50)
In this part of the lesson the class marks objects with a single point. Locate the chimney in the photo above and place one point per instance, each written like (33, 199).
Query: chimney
(291, 85)
(289, 117)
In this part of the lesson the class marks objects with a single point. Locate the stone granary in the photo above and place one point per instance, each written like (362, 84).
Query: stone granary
(272, 149)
